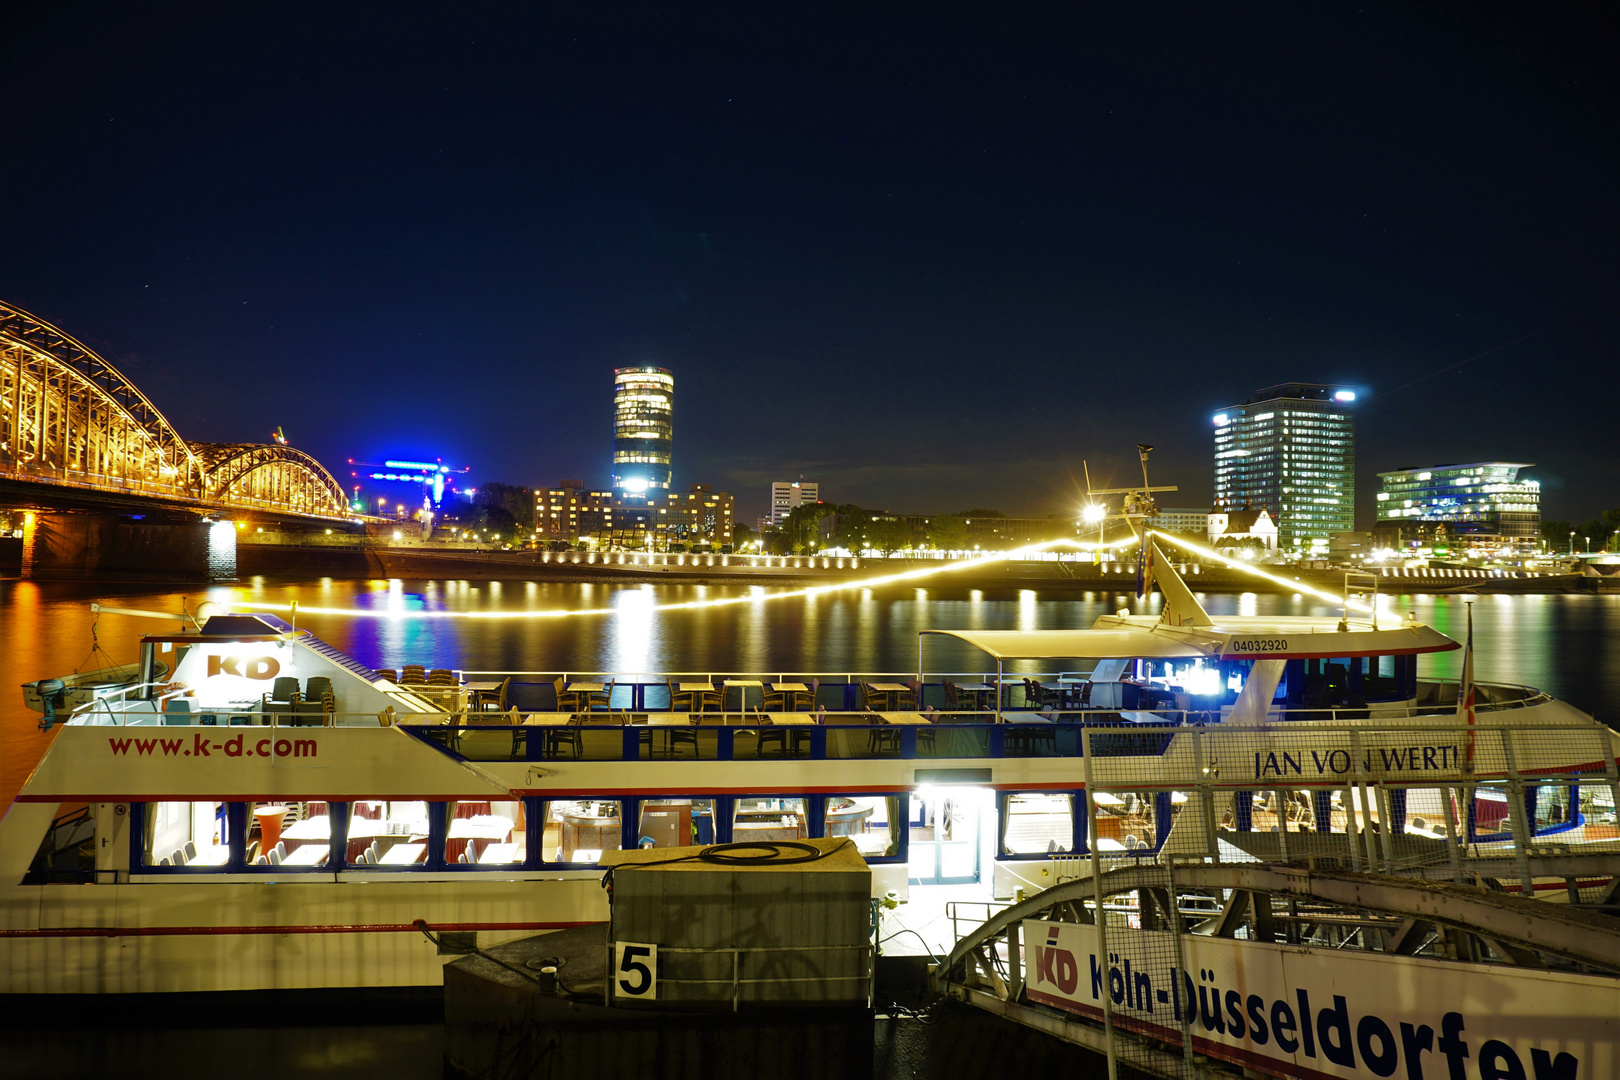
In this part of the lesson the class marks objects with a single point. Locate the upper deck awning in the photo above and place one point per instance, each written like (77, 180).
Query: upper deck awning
(1083, 644)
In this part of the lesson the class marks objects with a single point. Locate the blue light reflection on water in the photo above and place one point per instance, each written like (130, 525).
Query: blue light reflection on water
(1568, 645)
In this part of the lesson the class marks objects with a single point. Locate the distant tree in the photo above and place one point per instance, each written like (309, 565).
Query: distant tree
(853, 524)
(888, 535)
(518, 502)
(774, 541)
(949, 533)
(742, 536)
(802, 527)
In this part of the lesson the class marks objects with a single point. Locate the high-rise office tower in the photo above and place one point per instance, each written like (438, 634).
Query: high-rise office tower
(788, 495)
(1291, 451)
(643, 410)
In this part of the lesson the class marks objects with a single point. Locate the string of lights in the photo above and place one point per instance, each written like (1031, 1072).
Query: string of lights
(1249, 568)
(757, 595)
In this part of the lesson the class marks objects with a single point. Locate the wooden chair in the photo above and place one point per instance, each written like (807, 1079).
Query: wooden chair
(710, 700)
(557, 738)
(442, 677)
(482, 699)
(583, 700)
(413, 675)
(387, 673)
(282, 696)
(317, 702)
(673, 737)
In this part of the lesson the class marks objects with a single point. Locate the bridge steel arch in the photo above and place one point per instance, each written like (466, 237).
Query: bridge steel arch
(269, 477)
(67, 416)
(70, 418)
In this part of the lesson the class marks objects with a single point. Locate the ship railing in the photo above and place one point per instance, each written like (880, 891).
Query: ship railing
(134, 703)
(838, 690)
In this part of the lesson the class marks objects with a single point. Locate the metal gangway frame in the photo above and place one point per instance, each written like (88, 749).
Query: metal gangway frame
(1357, 885)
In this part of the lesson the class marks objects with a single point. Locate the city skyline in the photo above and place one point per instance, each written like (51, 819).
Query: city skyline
(988, 251)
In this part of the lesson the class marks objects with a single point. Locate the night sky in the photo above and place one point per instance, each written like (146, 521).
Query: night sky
(931, 261)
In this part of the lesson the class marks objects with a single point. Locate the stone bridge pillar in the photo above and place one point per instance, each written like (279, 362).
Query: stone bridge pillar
(73, 546)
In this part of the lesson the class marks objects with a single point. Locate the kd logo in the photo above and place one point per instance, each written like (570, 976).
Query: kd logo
(254, 667)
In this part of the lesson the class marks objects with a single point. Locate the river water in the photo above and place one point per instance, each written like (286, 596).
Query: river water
(1568, 645)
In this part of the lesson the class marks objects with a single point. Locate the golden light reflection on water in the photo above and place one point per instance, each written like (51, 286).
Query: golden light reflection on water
(1569, 645)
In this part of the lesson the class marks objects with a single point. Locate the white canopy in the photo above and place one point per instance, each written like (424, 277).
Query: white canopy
(1083, 644)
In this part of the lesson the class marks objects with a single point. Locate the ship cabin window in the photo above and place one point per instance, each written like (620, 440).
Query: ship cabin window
(666, 823)
(1378, 680)
(767, 819)
(194, 834)
(579, 832)
(872, 821)
(1135, 820)
(288, 834)
(484, 833)
(1348, 682)
(1555, 807)
(386, 834)
(1036, 823)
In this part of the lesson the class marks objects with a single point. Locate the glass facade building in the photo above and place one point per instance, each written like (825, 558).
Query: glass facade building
(1291, 451)
(643, 415)
(1482, 501)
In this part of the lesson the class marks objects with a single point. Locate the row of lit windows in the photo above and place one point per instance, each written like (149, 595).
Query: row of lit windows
(388, 837)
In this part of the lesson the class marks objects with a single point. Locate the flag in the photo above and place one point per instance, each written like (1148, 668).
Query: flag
(1144, 568)
(1465, 693)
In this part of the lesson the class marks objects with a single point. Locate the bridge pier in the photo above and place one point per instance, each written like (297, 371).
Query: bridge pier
(78, 546)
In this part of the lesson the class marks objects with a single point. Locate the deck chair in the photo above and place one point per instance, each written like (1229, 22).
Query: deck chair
(413, 674)
(442, 677)
(387, 673)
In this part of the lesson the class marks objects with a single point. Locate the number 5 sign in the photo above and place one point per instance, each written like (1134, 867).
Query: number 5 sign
(635, 971)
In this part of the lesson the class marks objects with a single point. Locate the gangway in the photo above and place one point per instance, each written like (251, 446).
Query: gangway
(1266, 933)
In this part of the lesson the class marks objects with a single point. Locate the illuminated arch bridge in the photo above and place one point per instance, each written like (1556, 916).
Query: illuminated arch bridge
(71, 419)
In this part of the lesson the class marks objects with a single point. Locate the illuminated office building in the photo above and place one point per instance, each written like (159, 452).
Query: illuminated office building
(1481, 502)
(789, 495)
(1291, 451)
(571, 512)
(643, 412)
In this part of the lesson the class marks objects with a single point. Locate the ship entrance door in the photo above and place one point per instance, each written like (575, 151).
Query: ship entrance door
(946, 833)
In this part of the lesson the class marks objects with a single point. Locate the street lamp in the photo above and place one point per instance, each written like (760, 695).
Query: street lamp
(1572, 541)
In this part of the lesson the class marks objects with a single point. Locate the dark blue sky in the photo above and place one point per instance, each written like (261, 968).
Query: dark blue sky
(932, 261)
